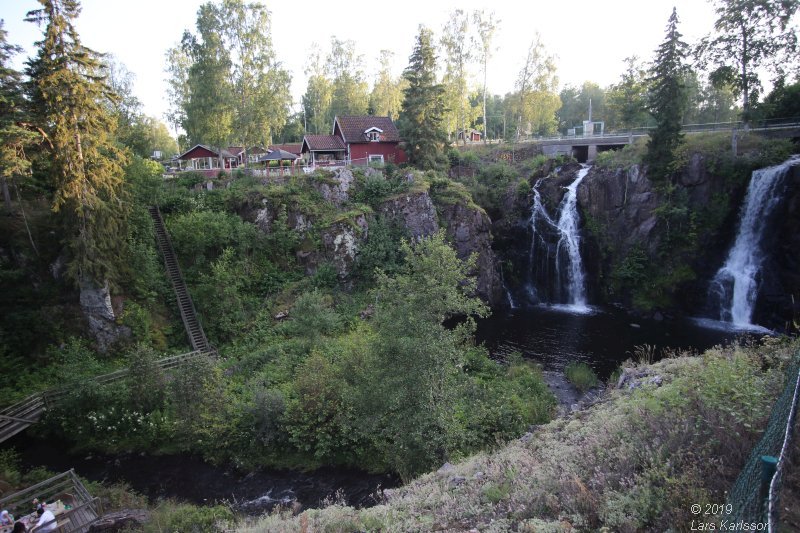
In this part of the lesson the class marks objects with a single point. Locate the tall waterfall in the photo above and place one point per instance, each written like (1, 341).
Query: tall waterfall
(735, 286)
(555, 268)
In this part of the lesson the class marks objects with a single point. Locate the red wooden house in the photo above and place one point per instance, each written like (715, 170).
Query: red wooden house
(202, 157)
(356, 140)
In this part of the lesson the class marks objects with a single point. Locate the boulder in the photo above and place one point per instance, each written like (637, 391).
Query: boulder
(99, 313)
(125, 520)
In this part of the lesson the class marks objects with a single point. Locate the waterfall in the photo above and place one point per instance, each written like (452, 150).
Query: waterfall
(555, 273)
(570, 239)
(734, 288)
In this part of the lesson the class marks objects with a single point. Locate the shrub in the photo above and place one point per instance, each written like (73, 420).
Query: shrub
(581, 375)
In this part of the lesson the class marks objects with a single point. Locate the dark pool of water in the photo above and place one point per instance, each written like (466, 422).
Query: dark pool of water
(602, 338)
(189, 478)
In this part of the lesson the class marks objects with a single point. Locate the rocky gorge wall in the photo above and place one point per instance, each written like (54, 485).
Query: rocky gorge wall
(653, 249)
(467, 228)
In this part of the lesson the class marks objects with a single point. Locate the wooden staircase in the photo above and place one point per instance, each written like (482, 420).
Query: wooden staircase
(194, 330)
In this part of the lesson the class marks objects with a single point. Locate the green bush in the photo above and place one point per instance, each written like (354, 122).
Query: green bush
(581, 375)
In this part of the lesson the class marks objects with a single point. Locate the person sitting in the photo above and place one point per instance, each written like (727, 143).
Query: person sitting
(47, 521)
(19, 527)
(6, 519)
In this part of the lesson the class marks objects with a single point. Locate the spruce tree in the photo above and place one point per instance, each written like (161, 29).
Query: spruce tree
(667, 101)
(14, 139)
(70, 95)
(422, 115)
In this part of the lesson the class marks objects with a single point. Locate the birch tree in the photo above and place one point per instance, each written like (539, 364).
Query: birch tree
(486, 25)
(457, 56)
(536, 101)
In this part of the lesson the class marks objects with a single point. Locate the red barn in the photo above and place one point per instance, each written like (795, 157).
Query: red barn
(357, 140)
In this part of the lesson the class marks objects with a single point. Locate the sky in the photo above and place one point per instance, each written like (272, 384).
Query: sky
(589, 38)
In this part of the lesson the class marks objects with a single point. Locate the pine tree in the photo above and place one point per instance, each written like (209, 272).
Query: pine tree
(422, 120)
(667, 101)
(70, 95)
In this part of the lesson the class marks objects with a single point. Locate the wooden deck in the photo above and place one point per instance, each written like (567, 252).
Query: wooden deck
(58, 492)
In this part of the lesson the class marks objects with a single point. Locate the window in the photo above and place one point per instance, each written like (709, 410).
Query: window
(374, 136)
(376, 159)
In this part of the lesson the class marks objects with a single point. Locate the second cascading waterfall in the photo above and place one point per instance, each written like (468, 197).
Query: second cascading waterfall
(556, 273)
(734, 289)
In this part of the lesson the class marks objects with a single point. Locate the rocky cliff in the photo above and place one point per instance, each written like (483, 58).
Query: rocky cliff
(335, 232)
(655, 247)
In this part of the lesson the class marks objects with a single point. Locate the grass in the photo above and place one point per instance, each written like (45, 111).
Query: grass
(581, 375)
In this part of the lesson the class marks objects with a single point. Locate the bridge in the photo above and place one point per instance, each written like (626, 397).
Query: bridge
(585, 148)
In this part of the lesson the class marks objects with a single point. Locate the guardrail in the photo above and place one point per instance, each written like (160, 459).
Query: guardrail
(18, 417)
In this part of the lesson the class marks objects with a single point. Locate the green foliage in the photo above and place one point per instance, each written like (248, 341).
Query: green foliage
(70, 97)
(172, 516)
(750, 37)
(627, 99)
(667, 102)
(630, 155)
(421, 119)
(535, 100)
(414, 358)
(488, 187)
(145, 380)
(382, 249)
(373, 188)
(581, 375)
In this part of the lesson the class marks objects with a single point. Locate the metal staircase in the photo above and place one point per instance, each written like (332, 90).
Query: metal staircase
(188, 313)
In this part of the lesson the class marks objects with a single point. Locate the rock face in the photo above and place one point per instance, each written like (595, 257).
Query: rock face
(96, 306)
(336, 189)
(622, 201)
(340, 243)
(415, 211)
(469, 231)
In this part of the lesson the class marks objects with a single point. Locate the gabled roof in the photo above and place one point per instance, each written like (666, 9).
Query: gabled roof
(225, 152)
(292, 148)
(278, 155)
(323, 143)
(235, 150)
(353, 128)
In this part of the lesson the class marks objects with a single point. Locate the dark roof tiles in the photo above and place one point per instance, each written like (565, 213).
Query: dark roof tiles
(353, 128)
(324, 143)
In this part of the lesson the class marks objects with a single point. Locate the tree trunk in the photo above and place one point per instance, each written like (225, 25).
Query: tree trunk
(485, 125)
(6, 194)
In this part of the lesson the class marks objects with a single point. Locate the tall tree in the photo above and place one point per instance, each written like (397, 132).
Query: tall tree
(14, 139)
(387, 94)
(486, 25)
(70, 93)
(319, 91)
(177, 70)
(210, 106)
(350, 91)
(421, 125)
(627, 100)
(536, 101)
(748, 35)
(457, 57)
(260, 84)
(415, 359)
(667, 100)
